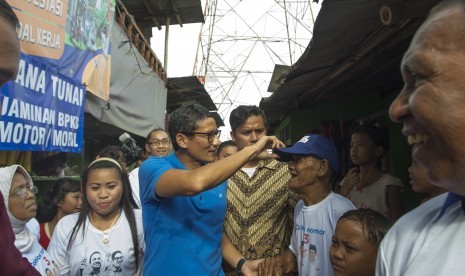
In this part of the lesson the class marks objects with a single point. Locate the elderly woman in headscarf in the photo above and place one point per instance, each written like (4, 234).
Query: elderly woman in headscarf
(19, 196)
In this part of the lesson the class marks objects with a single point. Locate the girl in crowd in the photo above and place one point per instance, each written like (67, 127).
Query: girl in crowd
(366, 185)
(355, 242)
(117, 154)
(420, 183)
(63, 199)
(84, 243)
(226, 149)
(20, 200)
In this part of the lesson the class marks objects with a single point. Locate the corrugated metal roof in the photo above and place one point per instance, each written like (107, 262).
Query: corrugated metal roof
(351, 52)
(149, 14)
(279, 73)
(189, 89)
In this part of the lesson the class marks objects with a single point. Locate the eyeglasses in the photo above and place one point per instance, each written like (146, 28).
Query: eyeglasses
(210, 135)
(164, 142)
(22, 192)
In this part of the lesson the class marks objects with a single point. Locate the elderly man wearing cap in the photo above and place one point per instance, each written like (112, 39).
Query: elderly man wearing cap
(313, 164)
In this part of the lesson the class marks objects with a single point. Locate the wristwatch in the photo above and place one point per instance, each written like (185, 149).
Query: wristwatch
(239, 265)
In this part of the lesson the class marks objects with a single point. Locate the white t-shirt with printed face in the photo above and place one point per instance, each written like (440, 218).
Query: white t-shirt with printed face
(313, 231)
(41, 260)
(36, 254)
(92, 256)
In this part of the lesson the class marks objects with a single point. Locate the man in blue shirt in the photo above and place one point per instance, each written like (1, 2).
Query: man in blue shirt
(183, 195)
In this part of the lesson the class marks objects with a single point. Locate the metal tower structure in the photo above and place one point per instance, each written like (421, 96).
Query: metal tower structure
(241, 41)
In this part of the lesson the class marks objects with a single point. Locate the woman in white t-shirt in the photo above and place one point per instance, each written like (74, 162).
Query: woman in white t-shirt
(106, 238)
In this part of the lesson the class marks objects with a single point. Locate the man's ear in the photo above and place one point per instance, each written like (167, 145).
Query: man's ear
(324, 167)
(182, 140)
(147, 148)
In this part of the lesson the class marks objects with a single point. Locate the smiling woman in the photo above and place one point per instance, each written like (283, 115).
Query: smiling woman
(106, 224)
(19, 196)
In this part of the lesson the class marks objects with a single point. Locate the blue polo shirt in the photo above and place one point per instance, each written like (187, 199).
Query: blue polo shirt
(182, 234)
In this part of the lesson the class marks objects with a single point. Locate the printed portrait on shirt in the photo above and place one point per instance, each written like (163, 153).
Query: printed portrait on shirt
(117, 260)
(99, 264)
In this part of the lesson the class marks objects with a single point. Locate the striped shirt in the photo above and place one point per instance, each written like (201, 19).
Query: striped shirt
(259, 216)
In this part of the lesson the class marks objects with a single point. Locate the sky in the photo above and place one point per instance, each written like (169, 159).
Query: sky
(242, 42)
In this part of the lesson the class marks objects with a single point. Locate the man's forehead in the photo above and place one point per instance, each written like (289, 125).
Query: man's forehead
(159, 134)
(441, 27)
(253, 123)
(207, 123)
(253, 127)
(434, 35)
(255, 117)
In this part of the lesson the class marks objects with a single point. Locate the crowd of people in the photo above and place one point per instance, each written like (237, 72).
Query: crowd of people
(251, 206)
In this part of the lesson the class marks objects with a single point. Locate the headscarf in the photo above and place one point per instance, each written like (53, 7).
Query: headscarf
(24, 238)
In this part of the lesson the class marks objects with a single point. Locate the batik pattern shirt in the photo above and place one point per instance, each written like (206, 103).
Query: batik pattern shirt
(259, 215)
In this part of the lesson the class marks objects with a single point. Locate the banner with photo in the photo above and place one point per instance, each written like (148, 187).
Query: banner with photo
(72, 36)
(42, 110)
(65, 50)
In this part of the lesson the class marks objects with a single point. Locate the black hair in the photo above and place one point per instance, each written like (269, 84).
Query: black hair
(185, 119)
(379, 135)
(114, 254)
(48, 209)
(113, 152)
(95, 252)
(374, 224)
(224, 144)
(124, 204)
(241, 113)
(7, 12)
(154, 130)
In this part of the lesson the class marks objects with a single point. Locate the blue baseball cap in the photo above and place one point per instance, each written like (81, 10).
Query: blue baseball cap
(312, 144)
